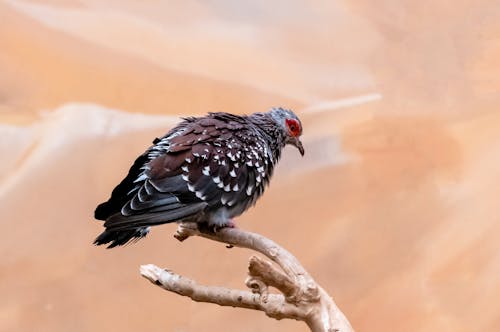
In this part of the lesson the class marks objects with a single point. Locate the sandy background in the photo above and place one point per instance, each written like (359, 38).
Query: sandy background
(394, 209)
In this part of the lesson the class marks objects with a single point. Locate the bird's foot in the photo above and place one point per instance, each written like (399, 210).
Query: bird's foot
(231, 223)
(214, 227)
(227, 224)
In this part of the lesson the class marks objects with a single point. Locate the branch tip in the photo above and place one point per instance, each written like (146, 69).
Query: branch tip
(151, 272)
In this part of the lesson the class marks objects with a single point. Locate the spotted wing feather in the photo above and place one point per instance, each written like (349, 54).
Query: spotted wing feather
(198, 168)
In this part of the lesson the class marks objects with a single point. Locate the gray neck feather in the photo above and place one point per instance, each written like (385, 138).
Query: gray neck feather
(270, 131)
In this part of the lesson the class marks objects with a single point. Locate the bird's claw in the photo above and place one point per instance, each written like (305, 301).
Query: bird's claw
(229, 224)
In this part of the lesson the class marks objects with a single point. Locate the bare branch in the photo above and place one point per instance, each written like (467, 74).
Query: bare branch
(275, 306)
(271, 276)
(302, 298)
(236, 237)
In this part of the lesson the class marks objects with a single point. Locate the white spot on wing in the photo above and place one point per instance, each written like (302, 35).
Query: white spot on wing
(249, 190)
(232, 173)
(206, 170)
(199, 194)
(141, 178)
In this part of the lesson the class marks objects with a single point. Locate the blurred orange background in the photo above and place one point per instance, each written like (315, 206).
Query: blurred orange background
(393, 209)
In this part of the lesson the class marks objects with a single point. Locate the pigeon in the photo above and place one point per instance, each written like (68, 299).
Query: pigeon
(207, 170)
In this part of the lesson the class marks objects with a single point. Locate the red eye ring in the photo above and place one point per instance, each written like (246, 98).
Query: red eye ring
(293, 127)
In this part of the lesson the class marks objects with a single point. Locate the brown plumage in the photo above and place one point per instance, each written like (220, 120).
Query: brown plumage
(208, 170)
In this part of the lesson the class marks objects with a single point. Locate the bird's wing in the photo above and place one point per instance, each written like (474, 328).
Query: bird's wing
(215, 162)
(203, 163)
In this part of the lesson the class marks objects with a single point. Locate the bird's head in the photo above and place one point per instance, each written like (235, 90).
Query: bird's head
(290, 125)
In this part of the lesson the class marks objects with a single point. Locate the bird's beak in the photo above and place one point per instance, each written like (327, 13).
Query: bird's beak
(298, 144)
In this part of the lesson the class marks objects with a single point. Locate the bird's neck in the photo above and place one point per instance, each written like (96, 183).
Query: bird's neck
(273, 135)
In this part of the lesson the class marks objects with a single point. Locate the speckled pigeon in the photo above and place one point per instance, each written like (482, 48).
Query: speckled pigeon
(207, 170)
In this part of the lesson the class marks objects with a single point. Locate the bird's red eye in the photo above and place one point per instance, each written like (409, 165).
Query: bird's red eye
(293, 127)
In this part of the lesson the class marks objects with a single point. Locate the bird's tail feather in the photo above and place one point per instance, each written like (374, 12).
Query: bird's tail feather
(122, 229)
(120, 237)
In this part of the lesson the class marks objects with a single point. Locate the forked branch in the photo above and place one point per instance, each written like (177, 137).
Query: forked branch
(301, 299)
